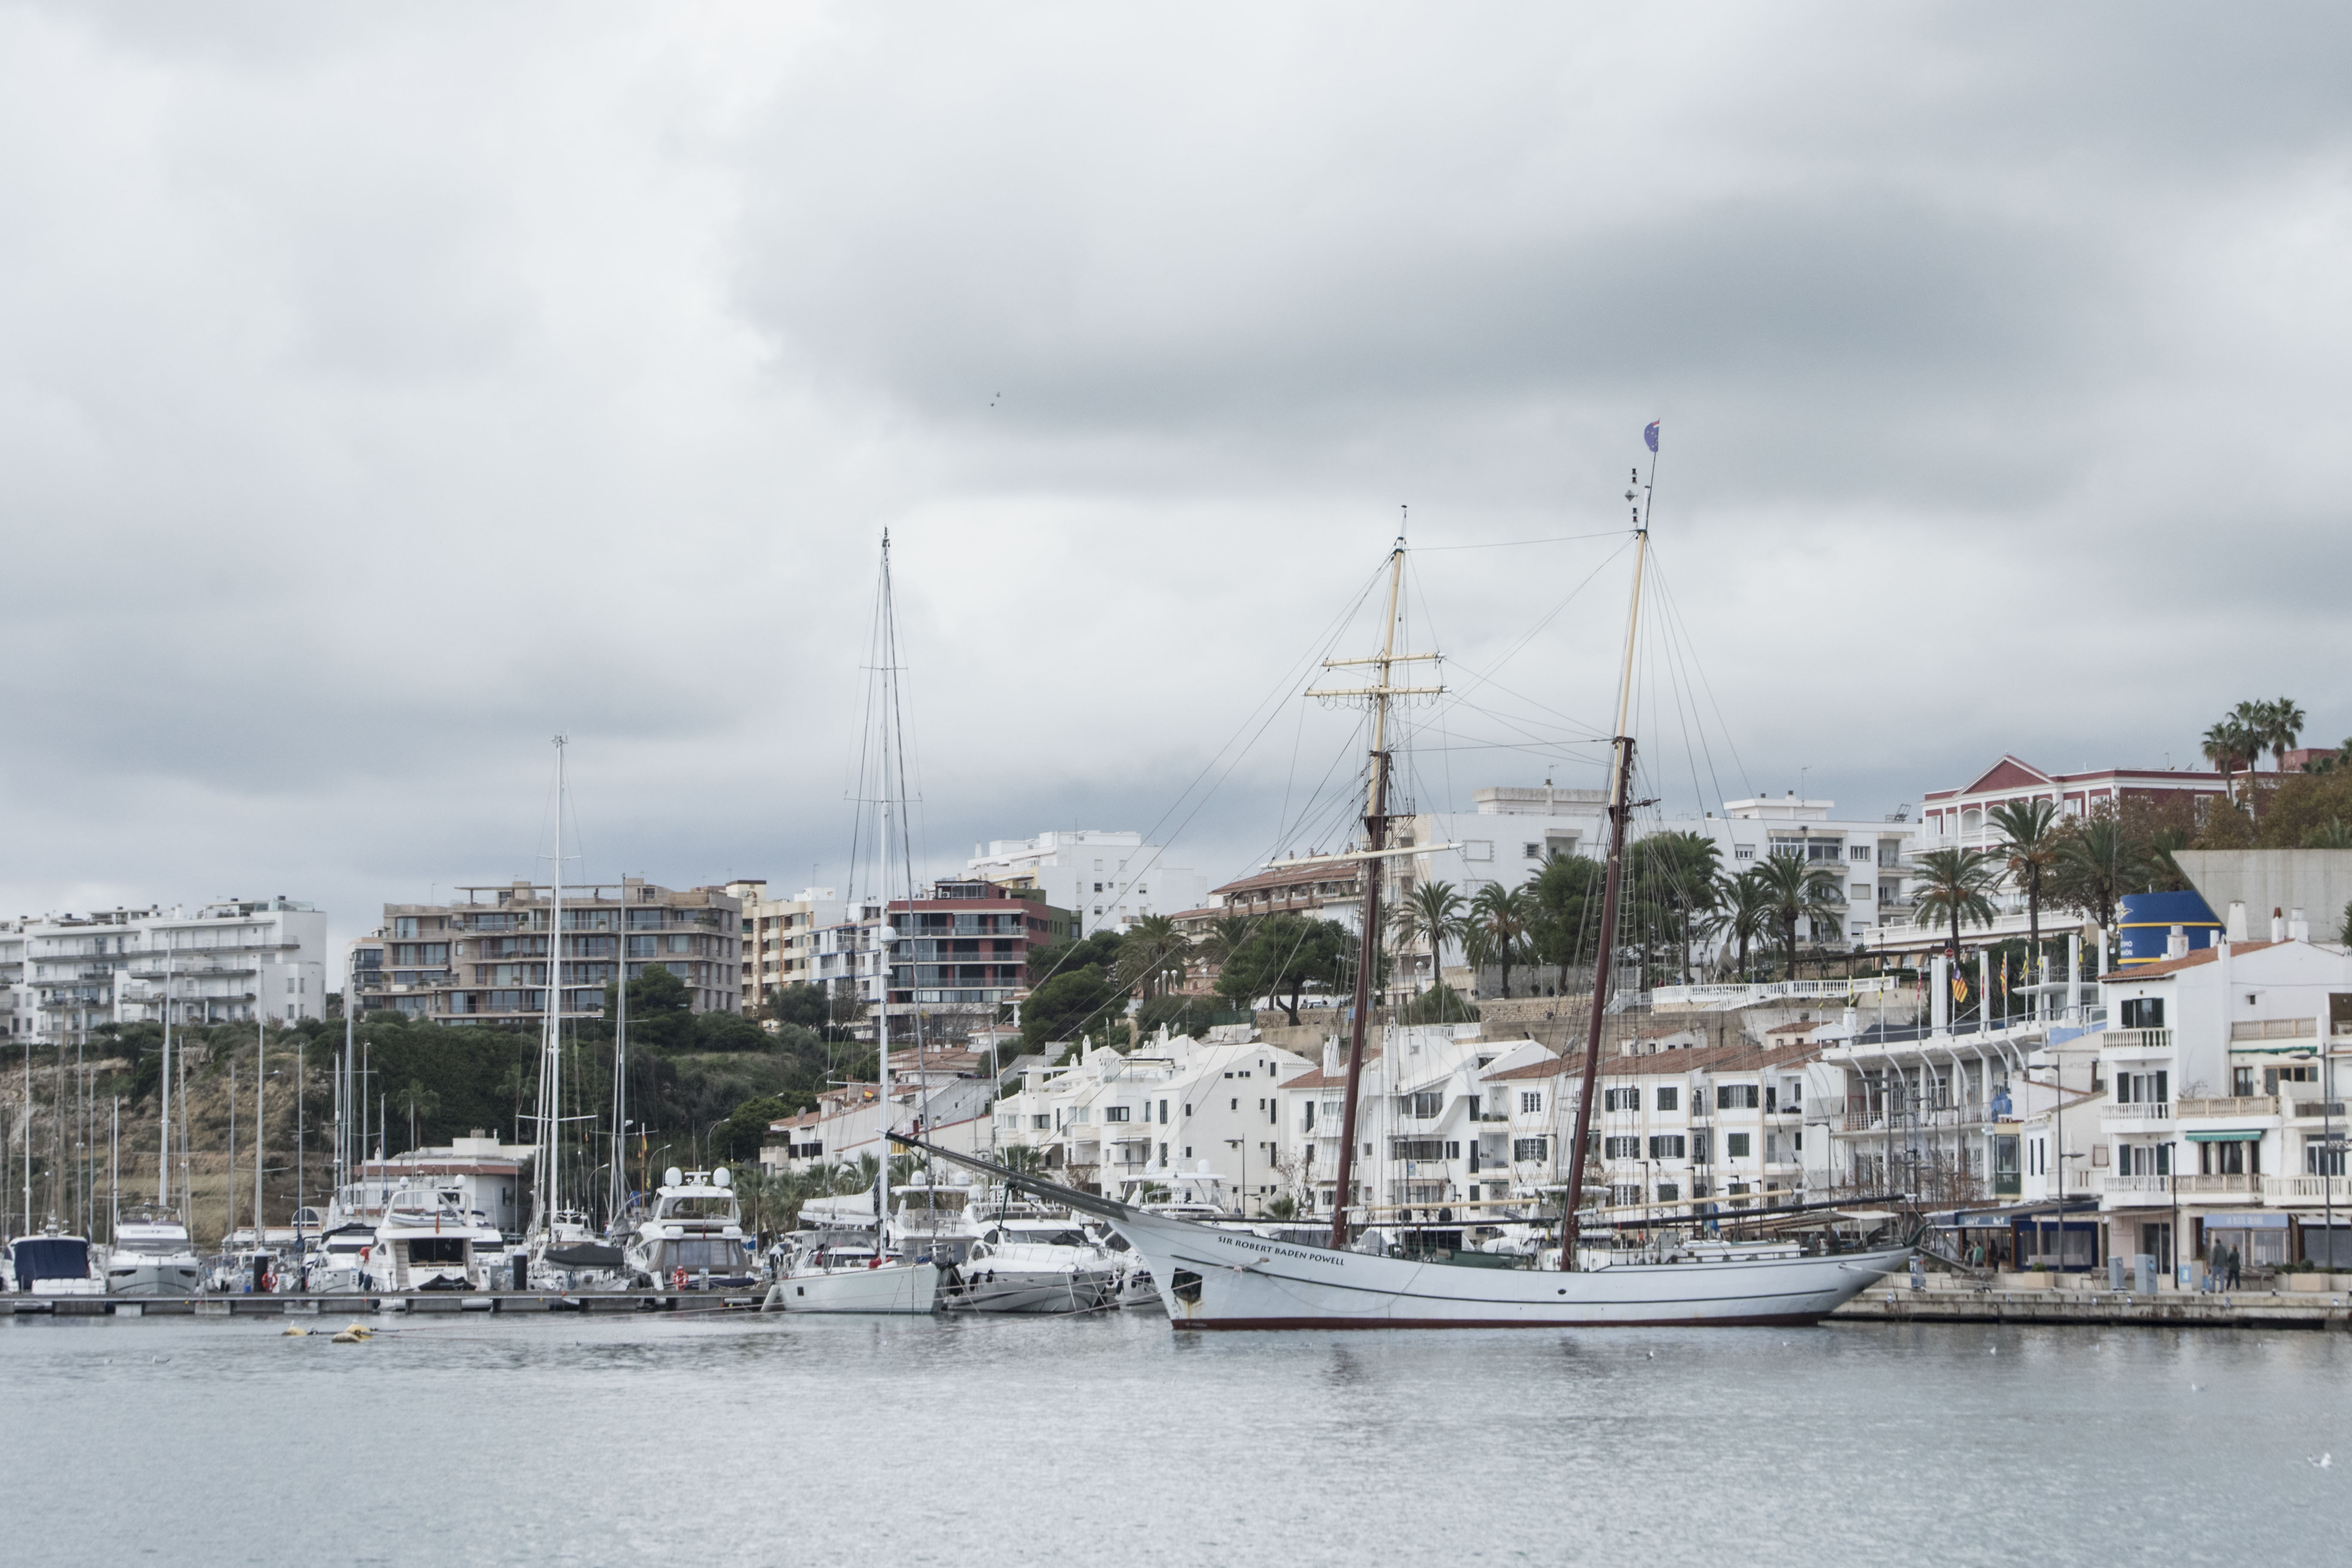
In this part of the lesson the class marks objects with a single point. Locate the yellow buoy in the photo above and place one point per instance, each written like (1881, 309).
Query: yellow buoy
(355, 1334)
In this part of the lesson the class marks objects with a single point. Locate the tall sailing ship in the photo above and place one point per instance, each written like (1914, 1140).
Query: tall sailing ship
(1231, 1277)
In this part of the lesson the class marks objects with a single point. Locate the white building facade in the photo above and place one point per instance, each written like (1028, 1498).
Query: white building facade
(1109, 880)
(223, 963)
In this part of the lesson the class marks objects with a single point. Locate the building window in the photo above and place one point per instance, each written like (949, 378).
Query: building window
(1735, 1097)
(1666, 1146)
(1531, 851)
(2143, 1013)
(1735, 1145)
(1621, 1100)
(1424, 1105)
(1743, 852)
(1620, 1148)
(1670, 1098)
(1531, 1101)
(1114, 1113)
(1669, 1192)
(1530, 1149)
(1857, 852)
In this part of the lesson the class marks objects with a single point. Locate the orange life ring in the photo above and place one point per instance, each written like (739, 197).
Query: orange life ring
(677, 1278)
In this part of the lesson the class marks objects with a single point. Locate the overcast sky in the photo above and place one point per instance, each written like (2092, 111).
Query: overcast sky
(385, 388)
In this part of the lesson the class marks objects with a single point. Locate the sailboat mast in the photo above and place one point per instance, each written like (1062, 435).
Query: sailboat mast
(889, 673)
(1620, 780)
(163, 1159)
(1368, 942)
(619, 1195)
(548, 1190)
(260, 1077)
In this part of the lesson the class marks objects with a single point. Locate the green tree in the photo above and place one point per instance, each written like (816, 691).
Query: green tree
(1954, 884)
(2030, 839)
(1152, 957)
(801, 1003)
(1746, 902)
(2333, 833)
(1797, 889)
(2281, 726)
(1501, 918)
(1430, 913)
(1285, 955)
(746, 1129)
(661, 1012)
(1062, 1006)
(1441, 1004)
(1673, 887)
(1566, 891)
(2096, 863)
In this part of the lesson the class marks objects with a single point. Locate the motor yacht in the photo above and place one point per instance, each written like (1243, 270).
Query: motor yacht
(1038, 1266)
(571, 1256)
(55, 1264)
(428, 1240)
(338, 1258)
(151, 1256)
(691, 1236)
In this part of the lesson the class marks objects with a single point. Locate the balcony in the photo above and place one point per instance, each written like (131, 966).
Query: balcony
(2226, 1105)
(2307, 1189)
(2255, 1029)
(2135, 1040)
(2218, 1186)
(2137, 1190)
(2138, 1110)
(2314, 1109)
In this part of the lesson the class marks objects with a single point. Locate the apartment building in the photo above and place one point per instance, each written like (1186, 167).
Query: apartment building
(779, 941)
(958, 955)
(941, 1095)
(224, 962)
(1202, 1112)
(485, 957)
(1109, 880)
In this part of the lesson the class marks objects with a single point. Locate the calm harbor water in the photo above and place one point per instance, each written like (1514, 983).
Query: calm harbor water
(1112, 1440)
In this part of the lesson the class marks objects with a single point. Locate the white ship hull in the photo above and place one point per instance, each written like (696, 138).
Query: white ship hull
(1214, 1279)
(911, 1287)
(137, 1276)
(988, 1290)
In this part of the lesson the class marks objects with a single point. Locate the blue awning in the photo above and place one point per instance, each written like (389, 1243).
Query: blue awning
(2248, 1135)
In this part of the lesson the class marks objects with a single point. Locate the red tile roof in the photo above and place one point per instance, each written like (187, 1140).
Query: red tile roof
(2175, 965)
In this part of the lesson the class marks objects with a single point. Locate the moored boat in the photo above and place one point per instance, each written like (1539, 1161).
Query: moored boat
(151, 1256)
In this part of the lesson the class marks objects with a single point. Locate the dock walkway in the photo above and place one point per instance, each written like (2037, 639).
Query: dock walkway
(495, 1302)
(1895, 1301)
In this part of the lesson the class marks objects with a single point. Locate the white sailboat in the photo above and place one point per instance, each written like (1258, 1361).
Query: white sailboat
(1212, 1276)
(835, 1281)
(151, 1254)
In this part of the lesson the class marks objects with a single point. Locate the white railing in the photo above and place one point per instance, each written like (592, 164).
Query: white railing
(2140, 1110)
(1810, 990)
(2316, 1108)
(2307, 1189)
(2126, 1185)
(2136, 1039)
(2274, 1029)
(2228, 1105)
(2218, 1186)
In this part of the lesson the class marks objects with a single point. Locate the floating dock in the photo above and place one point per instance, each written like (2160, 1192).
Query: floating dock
(495, 1303)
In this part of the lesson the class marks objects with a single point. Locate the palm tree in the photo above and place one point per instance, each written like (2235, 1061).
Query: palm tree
(1674, 882)
(1226, 935)
(1153, 956)
(2097, 864)
(1796, 889)
(1502, 917)
(2029, 849)
(1952, 885)
(2226, 744)
(1432, 912)
(2333, 833)
(1747, 903)
(2282, 724)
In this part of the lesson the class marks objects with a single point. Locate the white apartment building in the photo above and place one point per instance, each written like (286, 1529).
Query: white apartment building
(1507, 838)
(1173, 1108)
(936, 1096)
(221, 962)
(780, 937)
(1107, 879)
(1451, 1125)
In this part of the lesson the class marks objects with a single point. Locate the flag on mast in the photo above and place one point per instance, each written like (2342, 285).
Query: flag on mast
(1650, 436)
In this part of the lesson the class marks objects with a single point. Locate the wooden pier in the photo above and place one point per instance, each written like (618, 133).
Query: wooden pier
(1896, 1302)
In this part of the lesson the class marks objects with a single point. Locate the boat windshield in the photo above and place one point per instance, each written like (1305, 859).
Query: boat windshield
(1044, 1238)
(714, 1205)
(152, 1246)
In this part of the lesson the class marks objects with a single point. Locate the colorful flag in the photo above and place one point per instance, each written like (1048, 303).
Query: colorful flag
(1651, 435)
(1959, 987)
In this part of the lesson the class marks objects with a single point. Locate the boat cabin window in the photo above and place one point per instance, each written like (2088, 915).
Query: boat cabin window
(436, 1249)
(715, 1206)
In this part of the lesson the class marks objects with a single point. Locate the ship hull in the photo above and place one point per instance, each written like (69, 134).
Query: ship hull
(1216, 1279)
(907, 1288)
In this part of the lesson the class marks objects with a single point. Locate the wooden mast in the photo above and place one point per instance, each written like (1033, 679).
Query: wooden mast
(1368, 945)
(1620, 807)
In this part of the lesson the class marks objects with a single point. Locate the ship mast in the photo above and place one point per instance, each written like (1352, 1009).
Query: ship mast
(1621, 808)
(547, 1193)
(1376, 825)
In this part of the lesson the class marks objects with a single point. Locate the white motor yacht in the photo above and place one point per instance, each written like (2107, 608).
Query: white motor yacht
(428, 1240)
(849, 1274)
(691, 1236)
(55, 1264)
(1036, 1266)
(151, 1256)
(338, 1259)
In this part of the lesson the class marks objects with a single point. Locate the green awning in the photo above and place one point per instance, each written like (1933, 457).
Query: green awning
(2244, 1137)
